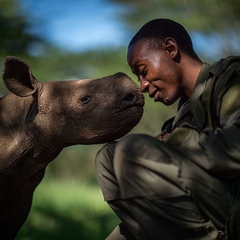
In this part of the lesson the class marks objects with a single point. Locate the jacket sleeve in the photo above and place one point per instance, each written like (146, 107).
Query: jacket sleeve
(216, 150)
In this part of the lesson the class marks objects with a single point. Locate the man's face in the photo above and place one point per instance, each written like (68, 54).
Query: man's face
(156, 70)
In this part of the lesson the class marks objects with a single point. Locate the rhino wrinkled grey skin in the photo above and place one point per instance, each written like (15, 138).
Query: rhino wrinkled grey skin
(38, 120)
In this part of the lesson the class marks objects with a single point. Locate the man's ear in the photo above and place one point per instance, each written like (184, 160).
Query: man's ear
(171, 47)
(18, 78)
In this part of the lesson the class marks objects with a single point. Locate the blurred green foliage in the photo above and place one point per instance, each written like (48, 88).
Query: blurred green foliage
(78, 214)
(199, 15)
(14, 33)
(217, 21)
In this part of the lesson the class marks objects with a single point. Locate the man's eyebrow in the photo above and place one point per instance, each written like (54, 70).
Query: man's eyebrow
(135, 68)
(137, 65)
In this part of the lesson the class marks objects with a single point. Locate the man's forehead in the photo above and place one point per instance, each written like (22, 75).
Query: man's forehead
(139, 50)
(140, 45)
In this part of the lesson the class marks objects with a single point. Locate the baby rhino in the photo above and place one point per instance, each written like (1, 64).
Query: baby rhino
(37, 120)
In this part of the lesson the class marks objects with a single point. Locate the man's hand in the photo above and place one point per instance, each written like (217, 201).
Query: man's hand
(163, 136)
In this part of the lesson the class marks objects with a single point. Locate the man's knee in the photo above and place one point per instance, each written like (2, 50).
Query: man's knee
(126, 152)
(143, 168)
(104, 157)
(136, 148)
(104, 162)
(131, 145)
(105, 173)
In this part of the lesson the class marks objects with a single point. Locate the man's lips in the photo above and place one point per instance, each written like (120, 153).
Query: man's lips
(154, 95)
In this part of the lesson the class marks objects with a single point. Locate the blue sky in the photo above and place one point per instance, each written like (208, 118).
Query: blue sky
(77, 24)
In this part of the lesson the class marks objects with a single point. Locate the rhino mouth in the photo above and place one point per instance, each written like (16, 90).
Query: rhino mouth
(132, 100)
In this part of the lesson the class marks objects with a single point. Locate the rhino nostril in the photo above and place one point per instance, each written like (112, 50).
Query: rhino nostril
(129, 97)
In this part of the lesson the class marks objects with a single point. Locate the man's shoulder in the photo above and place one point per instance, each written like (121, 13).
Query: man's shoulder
(226, 72)
(227, 87)
(219, 67)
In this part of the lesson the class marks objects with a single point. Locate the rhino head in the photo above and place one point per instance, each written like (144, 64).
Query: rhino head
(86, 111)
(39, 119)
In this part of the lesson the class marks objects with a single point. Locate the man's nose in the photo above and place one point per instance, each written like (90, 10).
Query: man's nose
(144, 85)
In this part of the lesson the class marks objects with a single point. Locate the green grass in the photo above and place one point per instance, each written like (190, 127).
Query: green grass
(68, 211)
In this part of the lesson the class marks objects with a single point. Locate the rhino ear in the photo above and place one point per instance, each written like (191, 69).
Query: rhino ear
(18, 78)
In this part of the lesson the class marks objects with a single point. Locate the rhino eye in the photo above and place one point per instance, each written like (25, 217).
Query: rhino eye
(85, 99)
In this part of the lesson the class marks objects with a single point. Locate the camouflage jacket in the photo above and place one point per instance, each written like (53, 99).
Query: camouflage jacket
(207, 126)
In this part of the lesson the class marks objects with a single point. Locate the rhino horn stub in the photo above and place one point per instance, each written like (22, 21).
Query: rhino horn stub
(18, 78)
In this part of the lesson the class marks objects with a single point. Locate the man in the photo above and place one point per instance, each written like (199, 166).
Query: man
(186, 186)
